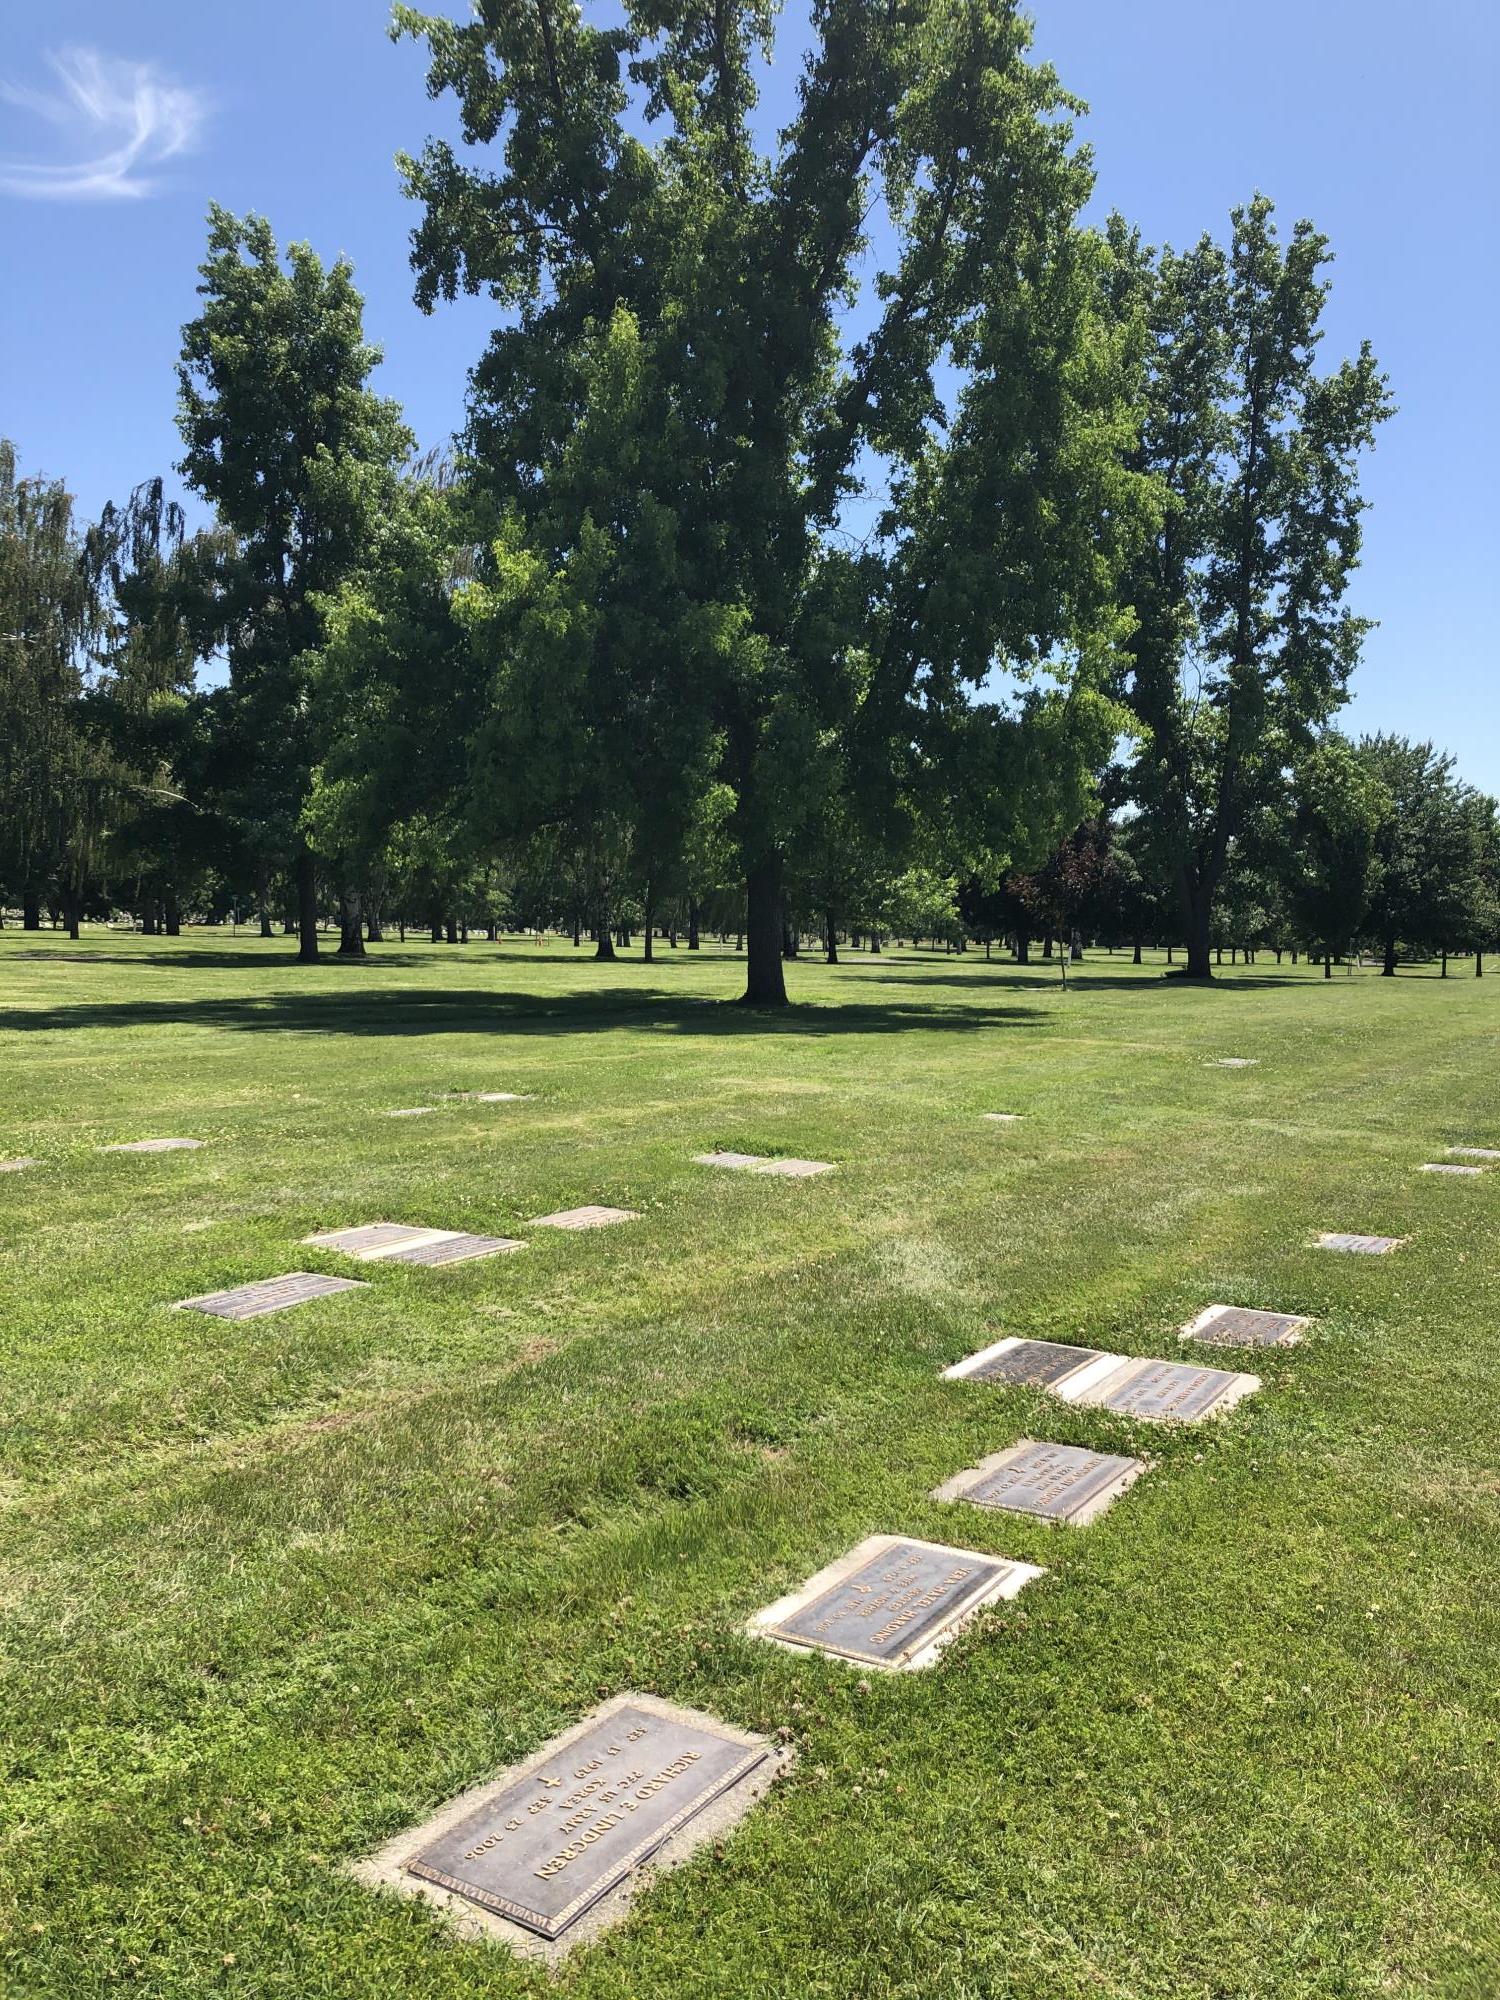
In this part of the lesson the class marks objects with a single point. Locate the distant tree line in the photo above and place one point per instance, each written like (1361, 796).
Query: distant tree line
(1018, 615)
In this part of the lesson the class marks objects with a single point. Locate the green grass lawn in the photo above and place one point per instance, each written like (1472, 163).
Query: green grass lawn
(274, 1590)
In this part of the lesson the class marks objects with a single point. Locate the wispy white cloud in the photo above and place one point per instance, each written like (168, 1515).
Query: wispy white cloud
(124, 118)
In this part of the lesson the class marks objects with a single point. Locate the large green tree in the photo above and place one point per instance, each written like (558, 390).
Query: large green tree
(1244, 643)
(285, 438)
(681, 411)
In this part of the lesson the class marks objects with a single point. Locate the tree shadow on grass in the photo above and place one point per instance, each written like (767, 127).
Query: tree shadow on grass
(470, 1011)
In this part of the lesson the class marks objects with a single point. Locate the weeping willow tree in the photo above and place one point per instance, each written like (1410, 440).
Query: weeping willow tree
(52, 778)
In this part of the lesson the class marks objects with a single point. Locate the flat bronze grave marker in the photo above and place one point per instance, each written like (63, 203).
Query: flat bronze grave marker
(1244, 1326)
(1054, 1482)
(269, 1295)
(15, 1166)
(893, 1602)
(1449, 1167)
(1169, 1391)
(491, 1096)
(455, 1247)
(557, 1839)
(1359, 1246)
(371, 1240)
(759, 1163)
(155, 1146)
(410, 1111)
(1001, 1117)
(1034, 1364)
(1233, 1062)
(592, 1217)
(1476, 1152)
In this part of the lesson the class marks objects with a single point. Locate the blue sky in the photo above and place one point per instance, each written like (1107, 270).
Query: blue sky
(119, 125)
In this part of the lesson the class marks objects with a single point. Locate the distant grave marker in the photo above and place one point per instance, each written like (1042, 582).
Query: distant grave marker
(1233, 1062)
(269, 1295)
(1035, 1364)
(1450, 1167)
(589, 1217)
(155, 1146)
(893, 1602)
(1169, 1391)
(561, 1837)
(1476, 1152)
(757, 1163)
(1244, 1326)
(410, 1111)
(399, 1243)
(1053, 1482)
(15, 1166)
(492, 1096)
(1001, 1117)
(1358, 1246)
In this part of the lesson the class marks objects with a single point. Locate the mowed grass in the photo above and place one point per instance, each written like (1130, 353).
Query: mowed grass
(273, 1590)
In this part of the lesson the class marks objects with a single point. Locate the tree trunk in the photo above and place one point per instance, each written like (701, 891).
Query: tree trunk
(765, 980)
(171, 914)
(1388, 969)
(31, 910)
(1444, 973)
(1197, 909)
(1047, 945)
(450, 931)
(1023, 948)
(647, 954)
(351, 923)
(373, 932)
(604, 946)
(1136, 959)
(790, 944)
(70, 910)
(831, 937)
(307, 908)
(1479, 965)
(1328, 965)
(874, 943)
(693, 944)
(577, 930)
(1075, 948)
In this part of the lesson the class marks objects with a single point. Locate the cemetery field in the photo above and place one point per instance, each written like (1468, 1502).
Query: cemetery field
(275, 1589)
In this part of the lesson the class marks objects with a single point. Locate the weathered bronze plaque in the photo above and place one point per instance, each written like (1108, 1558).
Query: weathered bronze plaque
(493, 1096)
(1057, 1482)
(1449, 1167)
(1476, 1152)
(155, 1146)
(584, 1218)
(1234, 1062)
(893, 1603)
(747, 1162)
(1035, 1364)
(1244, 1326)
(1359, 1246)
(1164, 1389)
(543, 1850)
(271, 1295)
(412, 1111)
(453, 1248)
(373, 1239)
(757, 1163)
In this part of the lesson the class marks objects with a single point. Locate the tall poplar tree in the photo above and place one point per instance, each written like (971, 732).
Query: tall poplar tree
(285, 438)
(1244, 643)
(680, 412)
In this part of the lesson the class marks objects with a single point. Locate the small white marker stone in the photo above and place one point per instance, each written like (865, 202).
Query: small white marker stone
(15, 1166)
(1449, 1167)
(1358, 1246)
(1476, 1152)
(410, 1111)
(1001, 1117)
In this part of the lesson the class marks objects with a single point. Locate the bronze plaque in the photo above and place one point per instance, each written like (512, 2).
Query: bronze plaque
(1054, 1481)
(544, 1850)
(1167, 1389)
(454, 1249)
(893, 1605)
(1034, 1364)
(270, 1295)
(1245, 1326)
